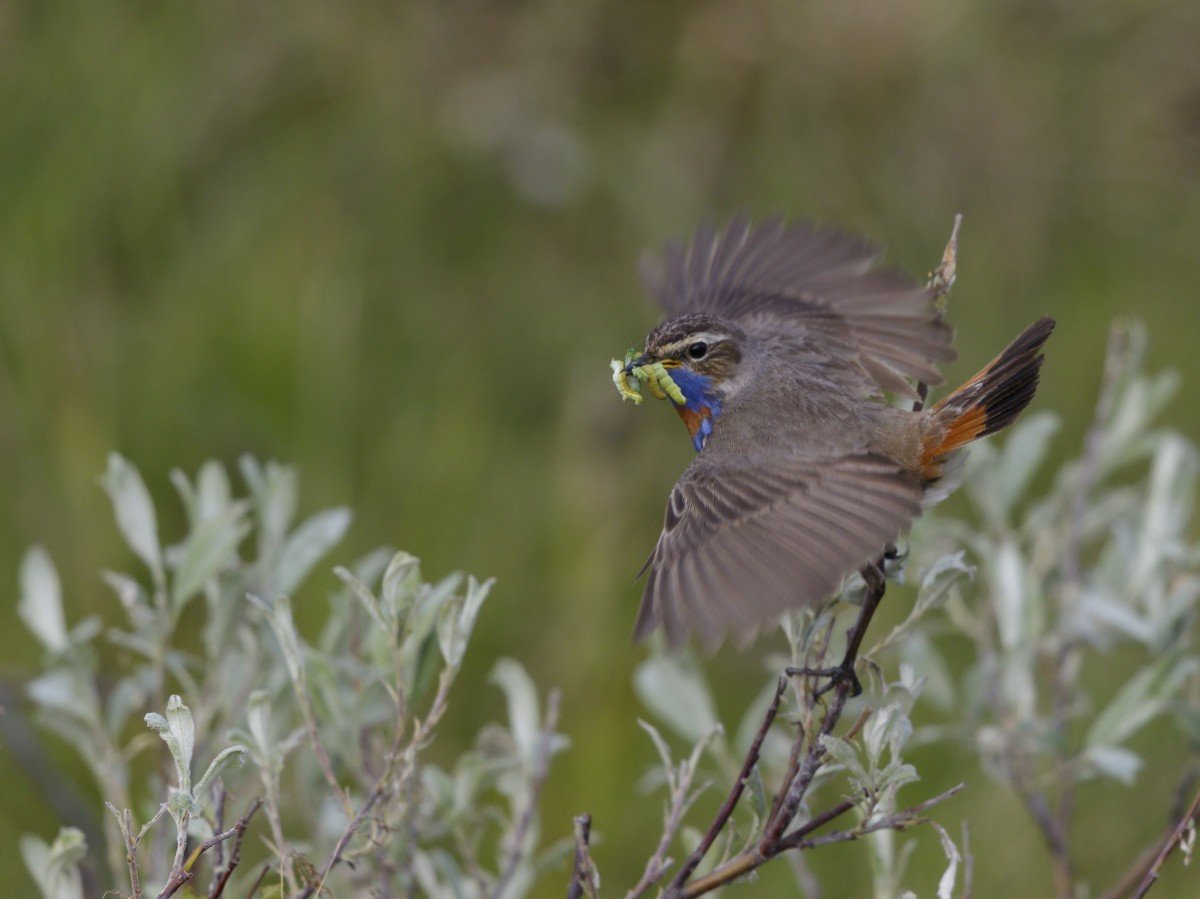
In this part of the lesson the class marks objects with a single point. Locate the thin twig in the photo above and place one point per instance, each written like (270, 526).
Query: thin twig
(515, 851)
(731, 801)
(126, 822)
(748, 861)
(182, 873)
(941, 279)
(1188, 821)
(262, 875)
(795, 790)
(583, 871)
(335, 855)
(318, 748)
(1048, 823)
(817, 822)
(793, 793)
(898, 821)
(235, 856)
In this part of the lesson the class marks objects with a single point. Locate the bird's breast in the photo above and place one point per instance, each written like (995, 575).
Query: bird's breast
(699, 423)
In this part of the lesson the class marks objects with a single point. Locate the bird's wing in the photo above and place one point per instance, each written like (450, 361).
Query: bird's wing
(815, 294)
(742, 544)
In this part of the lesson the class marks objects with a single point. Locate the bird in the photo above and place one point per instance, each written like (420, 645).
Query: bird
(783, 341)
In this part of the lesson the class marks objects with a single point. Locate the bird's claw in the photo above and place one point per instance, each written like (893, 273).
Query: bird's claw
(836, 675)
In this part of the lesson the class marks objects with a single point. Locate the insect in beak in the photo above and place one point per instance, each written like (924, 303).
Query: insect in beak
(652, 374)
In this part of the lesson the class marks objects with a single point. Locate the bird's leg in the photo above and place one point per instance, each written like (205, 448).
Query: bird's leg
(873, 575)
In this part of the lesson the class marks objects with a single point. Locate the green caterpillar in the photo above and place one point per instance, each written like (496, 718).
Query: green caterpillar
(654, 376)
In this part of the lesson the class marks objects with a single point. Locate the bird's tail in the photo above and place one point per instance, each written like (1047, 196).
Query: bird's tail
(989, 401)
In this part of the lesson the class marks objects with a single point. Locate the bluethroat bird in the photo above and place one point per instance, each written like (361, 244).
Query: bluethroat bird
(779, 344)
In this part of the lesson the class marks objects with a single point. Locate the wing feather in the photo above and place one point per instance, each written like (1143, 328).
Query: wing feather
(744, 543)
(815, 294)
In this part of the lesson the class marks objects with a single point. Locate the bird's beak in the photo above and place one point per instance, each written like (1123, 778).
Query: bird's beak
(635, 363)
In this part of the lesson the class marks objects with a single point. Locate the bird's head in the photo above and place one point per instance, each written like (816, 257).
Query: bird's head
(702, 354)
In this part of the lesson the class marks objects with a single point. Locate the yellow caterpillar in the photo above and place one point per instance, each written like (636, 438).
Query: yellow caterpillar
(654, 376)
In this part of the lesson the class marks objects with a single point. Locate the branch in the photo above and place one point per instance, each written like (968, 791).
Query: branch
(235, 856)
(373, 797)
(800, 774)
(731, 801)
(748, 861)
(182, 873)
(896, 821)
(941, 279)
(583, 872)
(541, 766)
(1186, 823)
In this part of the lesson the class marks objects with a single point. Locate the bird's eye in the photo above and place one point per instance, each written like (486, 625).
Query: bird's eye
(698, 350)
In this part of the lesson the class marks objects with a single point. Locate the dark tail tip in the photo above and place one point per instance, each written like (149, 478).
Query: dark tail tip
(1009, 383)
(992, 399)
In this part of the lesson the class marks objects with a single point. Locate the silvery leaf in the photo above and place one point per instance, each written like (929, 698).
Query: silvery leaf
(227, 757)
(896, 775)
(1137, 407)
(457, 620)
(132, 597)
(276, 497)
(1017, 608)
(945, 888)
(210, 548)
(847, 756)
(1180, 600)
(178, 731)
(1003, 480)
(401, 581)
(1140, 699)
(308, 544)
(55, 868)
(65, 692)
(677, 696)
(129, 694)
(1098, 607)
(1168, 506)
(258, 719)
(213, 492)
(941, 577)
(1023, 451)
(279, 616)
(1116, 762)
(888, 727)
(364, 596)
(40, 606)
(524, 719)
(135, 512)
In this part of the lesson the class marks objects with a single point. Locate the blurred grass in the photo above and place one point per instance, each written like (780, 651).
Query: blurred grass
(395, 245)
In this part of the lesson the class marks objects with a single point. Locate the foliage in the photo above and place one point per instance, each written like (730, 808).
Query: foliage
(333, 729)
(1045, 588)
(330, 733)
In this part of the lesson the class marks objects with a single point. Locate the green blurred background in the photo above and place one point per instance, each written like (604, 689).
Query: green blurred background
(396, 245)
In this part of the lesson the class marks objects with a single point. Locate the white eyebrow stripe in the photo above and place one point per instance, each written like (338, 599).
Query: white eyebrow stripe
(706, 336)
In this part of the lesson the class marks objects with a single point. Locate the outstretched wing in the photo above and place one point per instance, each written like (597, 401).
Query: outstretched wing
(743, 544)
(815, 294)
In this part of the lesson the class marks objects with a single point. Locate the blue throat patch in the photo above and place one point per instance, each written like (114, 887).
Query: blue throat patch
(697, 391)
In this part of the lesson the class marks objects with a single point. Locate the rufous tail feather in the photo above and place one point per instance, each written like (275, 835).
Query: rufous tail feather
(989, 401)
